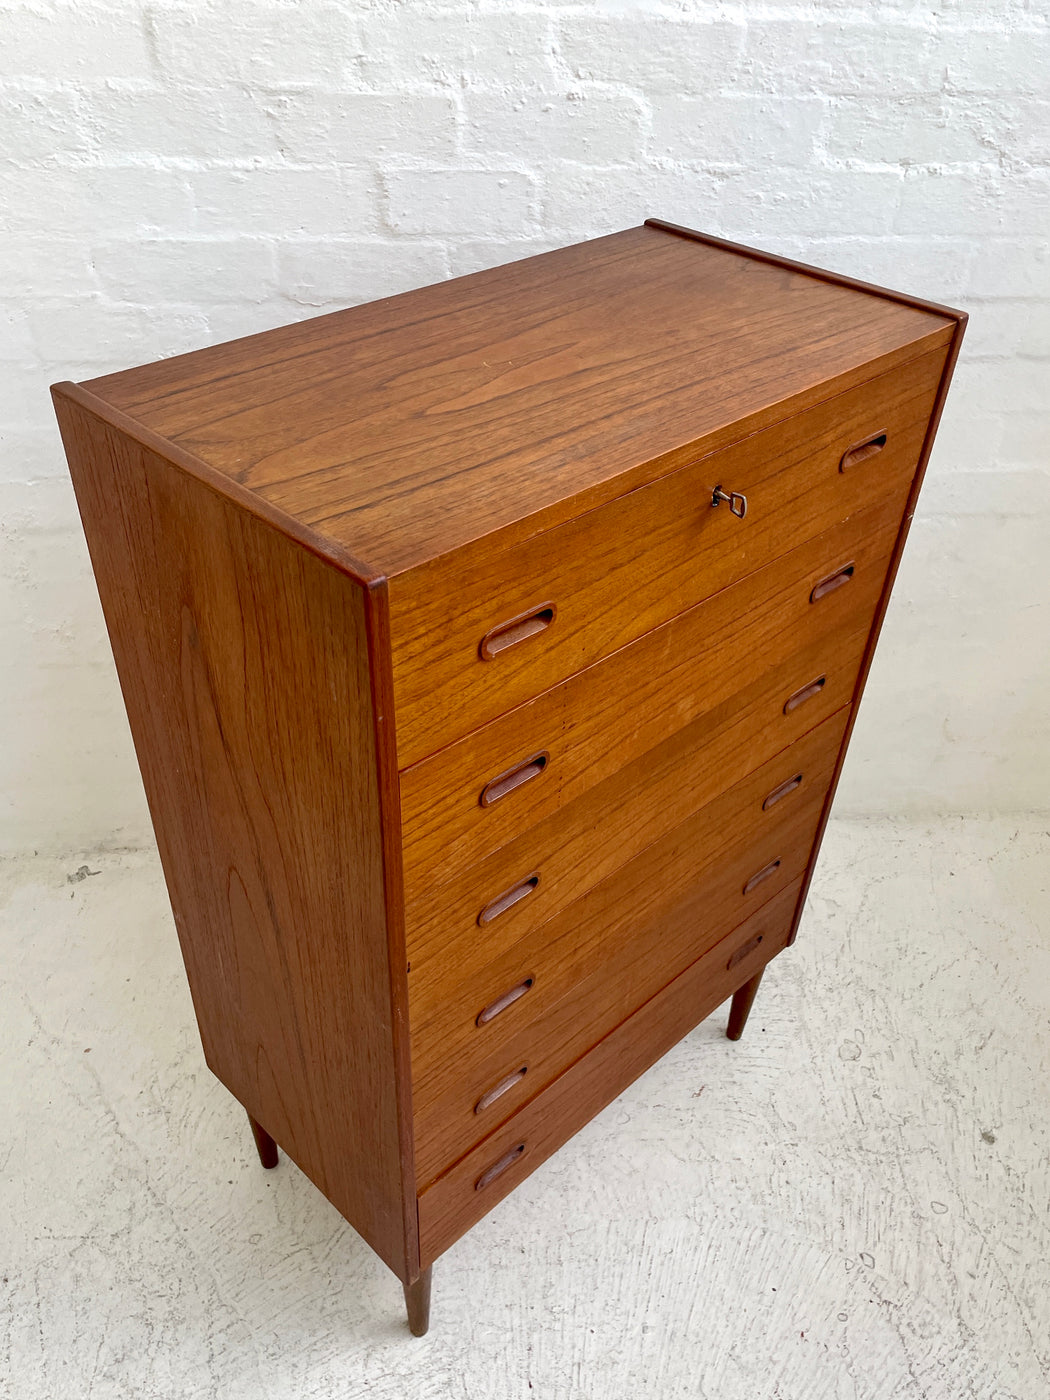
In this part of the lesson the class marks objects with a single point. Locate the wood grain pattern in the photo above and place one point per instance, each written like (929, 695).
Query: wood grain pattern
(581, 935)
(521, 396)
(616, 573)
(451, 1205)
(959, 330)
(609, 714)
(458, 704)
(579, 845)
(232, 643)
(377, 609)
(601, 957)
(822, 274)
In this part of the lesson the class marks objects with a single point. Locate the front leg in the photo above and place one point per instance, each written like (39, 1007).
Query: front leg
(741, 1007)
(264, 1142)
(417, 1302)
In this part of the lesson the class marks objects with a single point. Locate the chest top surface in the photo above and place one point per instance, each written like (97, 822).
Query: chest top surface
(406, 428)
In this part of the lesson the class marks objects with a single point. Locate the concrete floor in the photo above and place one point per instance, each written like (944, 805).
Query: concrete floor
(854, 1201)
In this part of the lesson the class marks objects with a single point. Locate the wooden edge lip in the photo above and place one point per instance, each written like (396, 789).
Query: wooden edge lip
(377, 627)
(950, 361)
(840, 278)
(318, 544)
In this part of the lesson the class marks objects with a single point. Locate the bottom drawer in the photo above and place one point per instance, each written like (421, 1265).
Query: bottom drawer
(468, 1190)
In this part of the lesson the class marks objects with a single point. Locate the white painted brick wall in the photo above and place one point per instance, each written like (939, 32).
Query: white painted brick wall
(177, 172)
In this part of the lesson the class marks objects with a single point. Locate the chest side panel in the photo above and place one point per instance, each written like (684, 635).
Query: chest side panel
(244, 663)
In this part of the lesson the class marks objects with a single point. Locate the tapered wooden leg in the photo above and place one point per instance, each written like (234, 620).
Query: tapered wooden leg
(417, 1301)
(265, 1143)
(739, 1011)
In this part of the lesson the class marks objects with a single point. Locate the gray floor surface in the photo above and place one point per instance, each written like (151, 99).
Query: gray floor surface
(853, 1203)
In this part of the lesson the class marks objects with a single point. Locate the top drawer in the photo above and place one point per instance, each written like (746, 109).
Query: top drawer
(481, 630)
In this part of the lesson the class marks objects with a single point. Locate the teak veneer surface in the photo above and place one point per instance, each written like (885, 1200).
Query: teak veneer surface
(613, 913)
(597, 960)
(600, 719)
(231, 643)
(365, 574)
(452, 1204)
(579, 845)
(616, 572)
(512, 398)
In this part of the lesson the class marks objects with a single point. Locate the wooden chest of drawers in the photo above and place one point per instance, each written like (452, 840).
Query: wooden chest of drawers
(490, 654)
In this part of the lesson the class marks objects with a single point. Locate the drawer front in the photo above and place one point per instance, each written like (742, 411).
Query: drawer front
(481, 631)
(603, 956)
(454, 929)
(574, 736)
(468, 1190)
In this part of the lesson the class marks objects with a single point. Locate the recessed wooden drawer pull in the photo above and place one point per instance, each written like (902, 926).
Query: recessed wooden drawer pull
(806, 693)
(763, 874)
(513, 778)
(516, 629)
(507, 900)
(745, 948)
(494, 1008)
(501, 1088)
(828, 585)
(782, 791)
(737, 502)
(861, 451)
(507, 1160)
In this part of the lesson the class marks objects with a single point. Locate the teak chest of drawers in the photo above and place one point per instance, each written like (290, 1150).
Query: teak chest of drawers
(490, 653)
